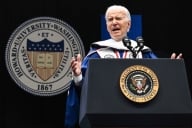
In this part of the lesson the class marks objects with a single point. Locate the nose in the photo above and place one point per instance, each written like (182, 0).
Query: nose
(114, 21)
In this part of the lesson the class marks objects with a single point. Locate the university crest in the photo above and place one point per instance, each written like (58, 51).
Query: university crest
(38, 55)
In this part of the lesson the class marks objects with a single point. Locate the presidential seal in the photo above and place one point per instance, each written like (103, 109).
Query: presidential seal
(139, 83)
(38, 55)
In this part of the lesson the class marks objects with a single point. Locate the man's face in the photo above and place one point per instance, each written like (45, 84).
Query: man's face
(117, 24)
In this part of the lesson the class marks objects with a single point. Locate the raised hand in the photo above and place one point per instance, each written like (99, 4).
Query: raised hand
(76, 65)
(175, 56)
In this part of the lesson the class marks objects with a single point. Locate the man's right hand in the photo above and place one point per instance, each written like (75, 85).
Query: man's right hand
(76, 65)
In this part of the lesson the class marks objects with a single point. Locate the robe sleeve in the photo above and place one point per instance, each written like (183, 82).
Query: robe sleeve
(73, 97)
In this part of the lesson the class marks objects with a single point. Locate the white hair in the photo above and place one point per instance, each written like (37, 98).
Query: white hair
(118, 7)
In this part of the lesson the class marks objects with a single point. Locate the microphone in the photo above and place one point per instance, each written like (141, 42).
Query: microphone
(140, 43)
(127, 43)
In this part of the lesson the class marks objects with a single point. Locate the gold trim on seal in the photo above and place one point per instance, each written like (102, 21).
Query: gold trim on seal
(139, 83)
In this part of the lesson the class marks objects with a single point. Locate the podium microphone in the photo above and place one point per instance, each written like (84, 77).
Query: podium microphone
(140, 43)
(127, 43)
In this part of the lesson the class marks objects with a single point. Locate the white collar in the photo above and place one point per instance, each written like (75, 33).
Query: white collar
(114, 44)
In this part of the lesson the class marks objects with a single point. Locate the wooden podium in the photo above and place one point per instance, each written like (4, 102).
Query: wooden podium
(103, 104)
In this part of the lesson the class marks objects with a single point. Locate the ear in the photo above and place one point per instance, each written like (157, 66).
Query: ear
(107, 28)
(128, 26)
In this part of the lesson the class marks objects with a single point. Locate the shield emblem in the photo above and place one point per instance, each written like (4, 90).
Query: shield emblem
(45, 56)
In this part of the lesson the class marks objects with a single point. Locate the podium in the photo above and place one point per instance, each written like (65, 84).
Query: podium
(103, 105)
